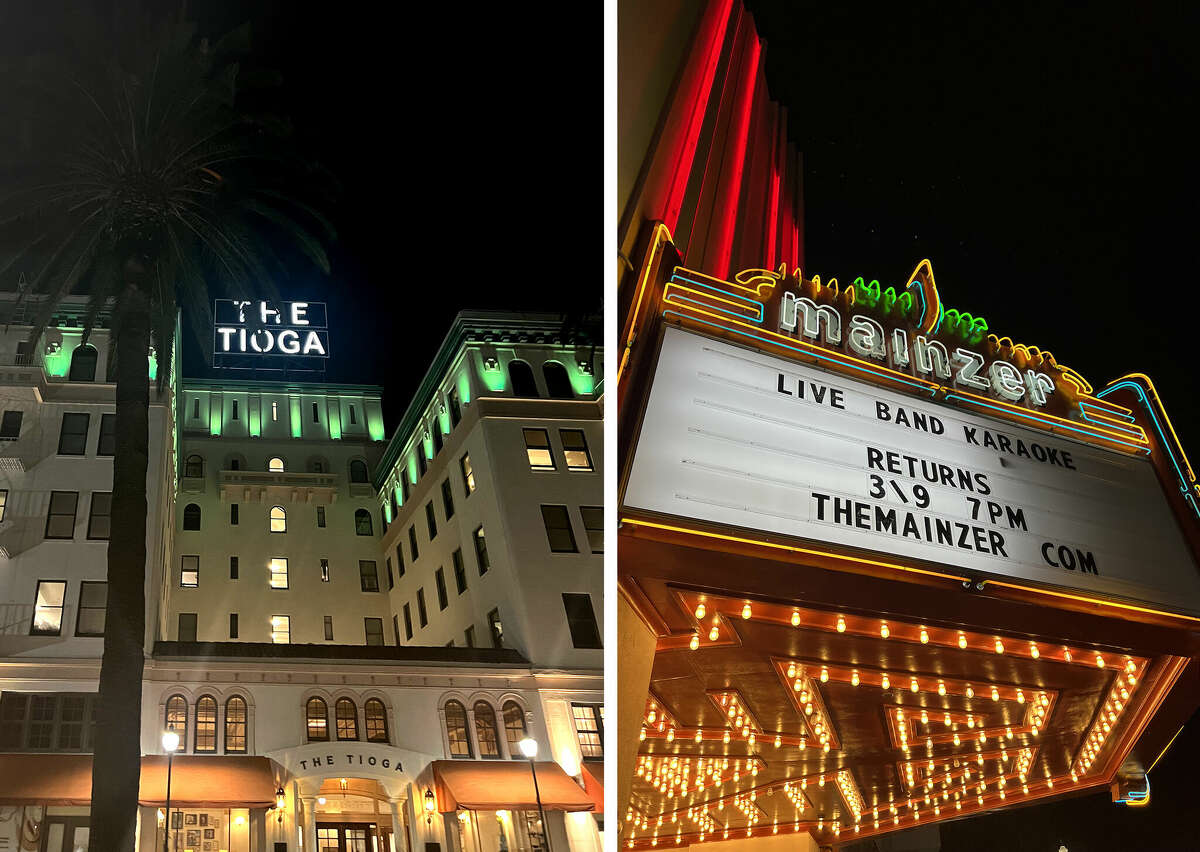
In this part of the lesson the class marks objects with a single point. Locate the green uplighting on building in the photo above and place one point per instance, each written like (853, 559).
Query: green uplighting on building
(297, 430)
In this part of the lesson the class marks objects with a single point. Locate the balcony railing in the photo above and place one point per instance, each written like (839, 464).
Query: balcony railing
(248, 485)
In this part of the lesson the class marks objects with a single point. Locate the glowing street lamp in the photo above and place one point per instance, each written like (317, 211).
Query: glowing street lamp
(170, 742)
(529, 748)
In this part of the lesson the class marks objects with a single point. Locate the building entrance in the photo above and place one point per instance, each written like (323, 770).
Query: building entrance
(65, 834)
(345, 837)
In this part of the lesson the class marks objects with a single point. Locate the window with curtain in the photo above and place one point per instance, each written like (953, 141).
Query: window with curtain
(347, 719)
(514, 728)
(456, 730)
(235, 725)
(316, 715)
(485, 731)
(176, 718)
(206, 724)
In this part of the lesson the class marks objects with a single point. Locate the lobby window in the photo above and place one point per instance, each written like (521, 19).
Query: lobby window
(496, 628)
(346, 713)
(316, 720)
(514, 727)
(481, 551)
(233, 514)
(456, 730)
(324, 570)
(412, 543)
(48, 722)
(278, 519)
(358, 470)
(48, 608)
(447, 499)
(431, 520)
(189, 571)
(469, 636)
(206, 724)
(10, 426)
(485, 731)
(278, 577)
(376, 716)
(440, 578)
(408, 628)
(320, 516)
(281, 629)
(236, 724)
(422, 615)
(520, 379)
(100, 516)
(83, 364)
(558, 529)
(581, 619)
(72, 440)
(593, 524)
(193, 467)
(558, 383)
(186, 627)
(362, 522)
(460, 572)
(328, 623)
(106, 444)
(233, 567)
(589, 728)
(368, 575)
(468, 474)
(191, 517)
(373, 628)
(537, 449)
(233, 625)
(60, 520)
(575, 449)
(275, 465)
(175, 719)
(93, 598)
(455, 407)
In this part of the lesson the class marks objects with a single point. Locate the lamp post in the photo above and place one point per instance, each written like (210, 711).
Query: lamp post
(170, 742)
(529, 748)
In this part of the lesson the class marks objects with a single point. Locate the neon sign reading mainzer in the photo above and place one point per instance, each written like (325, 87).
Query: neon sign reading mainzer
(246, 327)
(867, 338)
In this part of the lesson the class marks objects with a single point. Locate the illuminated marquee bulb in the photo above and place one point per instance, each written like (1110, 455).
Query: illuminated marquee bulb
(924, 717)
(825, 747)
(1020, 697)
(947, 720)
(970, 691)
(699, 736)
(970, 721)
(1099, 662)
(791, 670)
(957, 741)
(999, 646)
(995, 694)
(713, 634)
(1033, 650)
(824, 675)
(962, 640)
(778, 742)
(700, 610)
(924, 636)
(883, 630)
(694, 643)
(841, 625)
(746, 611)
(941, 688)
(1008, 733)
(725, 738)
(642, 734)
(913, 685)
(795, 618)
(854, 677)
(671, 735)
(884, 682)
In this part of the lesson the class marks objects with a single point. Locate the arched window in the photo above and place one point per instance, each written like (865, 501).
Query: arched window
(275, 465)
(485, 730)
(191, 517)
(235, 725)
(193, 468)
(456, 729)
(347, 719)
(376, 716)
(558, 383)
(206, 724)
(316, 715)
(514, 728)
(83, 364)
(176, 719)
(358, 471)
(278, 519)
(520, 376)
(362, 522)
(316, 465)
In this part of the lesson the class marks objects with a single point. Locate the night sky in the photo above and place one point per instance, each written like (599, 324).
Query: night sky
(1042, 159)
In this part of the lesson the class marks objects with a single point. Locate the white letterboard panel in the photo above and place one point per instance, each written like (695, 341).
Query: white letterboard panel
(740, 438)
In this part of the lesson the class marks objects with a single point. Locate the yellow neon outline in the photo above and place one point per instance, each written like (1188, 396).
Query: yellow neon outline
(656, 243)
(712, 297)
(1164, 751)
(1086, 599)
(1072, 423)
(930, 297)
(1162, 409)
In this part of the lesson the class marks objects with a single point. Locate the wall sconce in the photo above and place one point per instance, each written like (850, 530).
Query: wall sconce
(280, 802)
(585, 366)
(430, 806)
(491, 364)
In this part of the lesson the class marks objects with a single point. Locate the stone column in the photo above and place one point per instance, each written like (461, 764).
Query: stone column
(637, 643)
(310, 823)
(398, 844)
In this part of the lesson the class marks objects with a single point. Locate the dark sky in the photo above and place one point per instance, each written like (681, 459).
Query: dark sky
(1042, 157)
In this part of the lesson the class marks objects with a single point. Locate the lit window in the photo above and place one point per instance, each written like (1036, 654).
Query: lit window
(537, 449)
(176, 719)
(48, 608)
(481, 551)
(347, 719)
(514, 728)
(324, 570)
(189, 572)
(589, 727)
(593, 523)
(485, 731)
(3, 502)
(496, 628)
(278, 519)
(575, 449)
(468, 474)
(456, 730)
(206, 724)
(275, 411)
(235, 725)
(281, 629)
(279, 577)
(275, 465)
(558, 529)
(316, 714)
(376, 715)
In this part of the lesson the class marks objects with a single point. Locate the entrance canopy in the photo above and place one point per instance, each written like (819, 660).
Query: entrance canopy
(494, 785)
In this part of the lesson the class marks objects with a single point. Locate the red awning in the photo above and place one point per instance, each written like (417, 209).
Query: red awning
(66, 779)
(493, 785)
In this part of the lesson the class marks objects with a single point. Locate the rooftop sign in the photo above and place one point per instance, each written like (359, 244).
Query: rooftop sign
(252, 328)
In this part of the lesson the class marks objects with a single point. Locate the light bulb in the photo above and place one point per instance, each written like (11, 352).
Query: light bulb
(1020, 697)
(841, 625)
(713, 634)
(1067, 654)
(883, 629)
(884, 682)
(1099, 662)
(824, 675)
(746, 611)
(941, 688)
(778, 741)
(957, 741)
(699, 736)
(700, 610)
(795, 618)
(962, 640)
(995, 694)
(1033, 650)
(999, 646)
(970, 691)
(854, 677)
(913, 684)
(924, 636)
(695, 641)
(791, 670)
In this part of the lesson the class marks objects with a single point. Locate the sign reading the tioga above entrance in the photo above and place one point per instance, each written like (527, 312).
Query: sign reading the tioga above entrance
(749, 440)
(245, 327)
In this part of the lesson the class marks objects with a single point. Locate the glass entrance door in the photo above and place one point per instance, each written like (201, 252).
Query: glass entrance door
(65, 834)
(343, 837)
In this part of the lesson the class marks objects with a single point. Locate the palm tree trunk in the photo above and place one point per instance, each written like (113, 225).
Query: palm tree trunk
(116, 767)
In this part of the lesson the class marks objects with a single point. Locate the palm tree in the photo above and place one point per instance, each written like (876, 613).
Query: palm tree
(142, 179)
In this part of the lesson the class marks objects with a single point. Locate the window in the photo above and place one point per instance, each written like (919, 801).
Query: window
(329, 628)
(234, 414)
(235, 725)
(320, 516)
(353, 416)
(437, 437)
(358, 470)
(281, 629)
(175, 719)
(468, 474)
(589, 727)
(376, 716)
(48, 722)
(60, 520)
(581, 620)
(485, 731)
(456, 730)
(275, 465)
(455, 408)
(48, 608)
(316, 413)
(431, 520)
(191, 517)
(408, 629)
(387, 563)
(187, 627)
(422, 615)
(481, 552)
(189, 571)
(558, 383)
(233, 514)
(279, 572)
(593, 524)
(422, 465)
(447, 499)
(496, 628)
(440, 579)
(93, 598)
(575, 449)
(278, 519)
(537, 449)
(274, 411)
(460, 572)
(514, 727)
(233, 567)
(206, 724)
(346, 713)
(3, 502)
(324, 570)
(193, 468)
(106, 444)
(233, 625)
(83, 364)
(72, 439)
(399, 559)
(469, 636)
(404, 487)
(362, 522)
(373, 628)
(100, 516)
(368, 575)
(520, 378)
(412, 543)
(10, 426)
(558, 529)
(196, 408)
(316, 716)
(396, 628)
